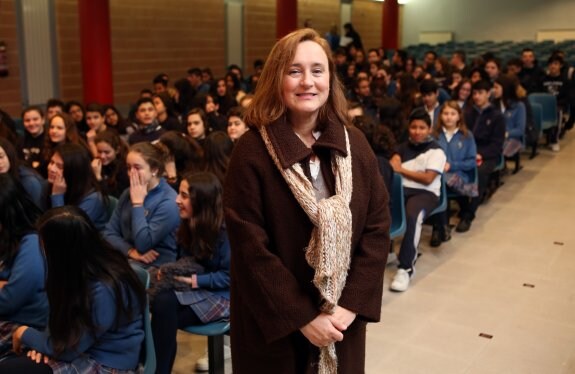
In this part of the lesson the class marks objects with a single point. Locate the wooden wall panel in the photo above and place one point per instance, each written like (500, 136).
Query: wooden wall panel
(366, 16)
(259, 31)
(10, 92)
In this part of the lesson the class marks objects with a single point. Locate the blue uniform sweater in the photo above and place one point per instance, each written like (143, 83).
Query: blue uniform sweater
(515, 120)
(35, 186)
(461, 152)
(23, 299)
(151, 226)
(113, 346)
(93, 204)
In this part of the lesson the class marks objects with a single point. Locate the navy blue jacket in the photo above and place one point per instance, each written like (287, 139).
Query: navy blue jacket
(488, 128)
(460, 152)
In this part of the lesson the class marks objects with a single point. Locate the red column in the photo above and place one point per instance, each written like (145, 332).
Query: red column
(96, 51)
(390, 25)
(286, 17)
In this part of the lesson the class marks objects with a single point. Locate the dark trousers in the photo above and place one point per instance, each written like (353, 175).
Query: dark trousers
(418, 205)
(167, 316)
(468, 206)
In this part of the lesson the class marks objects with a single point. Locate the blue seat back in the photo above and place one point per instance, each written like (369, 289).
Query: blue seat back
(398, 220)
(149, 357)
(537, 111)
(548, 104)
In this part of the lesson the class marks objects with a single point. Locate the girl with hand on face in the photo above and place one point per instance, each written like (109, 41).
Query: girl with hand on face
(144, 222)
(32, 145)
(166, 112)
(115, 120)
(109, 166)
(74, 183)
(96, 121)
(462, 93)
(202, 237)
(22, 296)
(96, 304)
(35, 186)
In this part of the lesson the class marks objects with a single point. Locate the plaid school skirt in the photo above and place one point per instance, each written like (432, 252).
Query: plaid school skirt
(85, 365)
(207, 306)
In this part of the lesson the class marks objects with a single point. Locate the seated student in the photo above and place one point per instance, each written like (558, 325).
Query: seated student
(185, 155)
(73, 183)
(109, 166)
(429, 95)
(236, 125)
(22, 296)
(556, 84)
(420, 162)
(459, 146)
(362, 94)
(53, 107)
(61, 130)
(75, 109)
(96, 121)
(96, 325)
(115, 120)
(203, 239)
(35, 186)
(493, 68)
(144, 222)
(513, 109)
(488, 127)
(224, 97)
(166, 112)
(216, 121)
(462, 93)
(8, 127)
(197, 125)
(531, 75)
(217, 151)
(30, 148)
(149, 130)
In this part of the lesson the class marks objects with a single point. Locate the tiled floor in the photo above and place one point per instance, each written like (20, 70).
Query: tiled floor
(480, 282)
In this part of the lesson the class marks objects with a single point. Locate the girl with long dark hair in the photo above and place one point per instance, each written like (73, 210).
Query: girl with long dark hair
(96, 303)
(73, 183)
(35, 186)
(109, 166)
(201, 236)
(22, 297)
(218, 149)
(144, 222)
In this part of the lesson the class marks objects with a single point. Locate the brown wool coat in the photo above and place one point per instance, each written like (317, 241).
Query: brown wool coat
(272, 294)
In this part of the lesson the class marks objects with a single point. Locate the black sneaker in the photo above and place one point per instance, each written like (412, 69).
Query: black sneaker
(463, 226)
(435, 238)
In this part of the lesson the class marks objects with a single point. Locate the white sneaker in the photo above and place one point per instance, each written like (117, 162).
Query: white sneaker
(203, 363)
(400, 281)
(554, 147)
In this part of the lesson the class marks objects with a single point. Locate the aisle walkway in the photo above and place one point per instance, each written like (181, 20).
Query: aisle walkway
(511, 277)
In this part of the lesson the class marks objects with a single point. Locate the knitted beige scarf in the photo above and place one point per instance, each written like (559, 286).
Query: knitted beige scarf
(328, 252)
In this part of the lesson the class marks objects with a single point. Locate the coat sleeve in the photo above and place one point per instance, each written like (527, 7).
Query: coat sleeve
(363, 289)
(266, 287)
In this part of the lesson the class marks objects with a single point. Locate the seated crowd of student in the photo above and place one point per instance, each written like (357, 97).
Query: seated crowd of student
(147, 190)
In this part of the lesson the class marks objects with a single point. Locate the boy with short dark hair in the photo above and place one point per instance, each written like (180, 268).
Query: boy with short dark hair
(556, 84)
(488, 127)
(420, 162)
(430, 96)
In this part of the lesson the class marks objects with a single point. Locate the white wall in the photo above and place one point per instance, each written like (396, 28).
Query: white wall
(478, 20)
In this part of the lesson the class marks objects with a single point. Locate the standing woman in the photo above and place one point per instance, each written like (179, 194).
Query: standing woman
(202, 239)
(22, 296)
(73, 183)
(312, 183)
(143, 225)
(96, 304)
